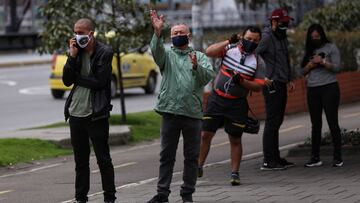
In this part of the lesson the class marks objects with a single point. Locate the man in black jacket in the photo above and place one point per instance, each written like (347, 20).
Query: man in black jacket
(88, 68)
(273, 48)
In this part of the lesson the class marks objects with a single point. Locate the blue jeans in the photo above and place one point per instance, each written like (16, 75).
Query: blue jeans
(171, 127)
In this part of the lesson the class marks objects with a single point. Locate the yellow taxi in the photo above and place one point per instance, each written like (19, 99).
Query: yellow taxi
(138, 70)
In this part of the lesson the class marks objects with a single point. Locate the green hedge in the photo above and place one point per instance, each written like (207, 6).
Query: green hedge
(347, 42)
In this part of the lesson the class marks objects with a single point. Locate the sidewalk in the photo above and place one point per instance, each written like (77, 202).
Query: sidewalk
(23, 59)
(323, 184)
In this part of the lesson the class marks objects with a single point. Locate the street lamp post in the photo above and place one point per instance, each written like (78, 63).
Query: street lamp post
(196, 22)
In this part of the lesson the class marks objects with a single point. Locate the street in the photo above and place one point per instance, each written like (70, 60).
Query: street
(53, 180)
(25, 99)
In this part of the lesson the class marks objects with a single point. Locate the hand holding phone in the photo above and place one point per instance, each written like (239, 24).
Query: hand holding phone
(74, 48)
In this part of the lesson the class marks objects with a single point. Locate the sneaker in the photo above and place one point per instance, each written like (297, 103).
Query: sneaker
(274, 166)
(200, 172)
(187, 199)
(314, 162)
(286, 163)
(235, 179)
(159, 198)
(337, 163)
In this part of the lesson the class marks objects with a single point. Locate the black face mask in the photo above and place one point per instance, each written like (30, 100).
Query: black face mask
(248, 46)
(280, 32)
(317, 43)
(180, 40)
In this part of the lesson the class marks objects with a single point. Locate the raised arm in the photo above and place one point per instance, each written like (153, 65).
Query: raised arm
(156, 44)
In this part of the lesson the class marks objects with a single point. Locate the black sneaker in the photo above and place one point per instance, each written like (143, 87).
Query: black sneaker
(272, 166)
(200, 172)
(286, 163)
(187, 199)
(337, 163)
(235, 179)
(159, 198)
(314, 162)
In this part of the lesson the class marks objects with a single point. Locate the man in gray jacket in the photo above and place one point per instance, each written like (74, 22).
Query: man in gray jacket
(274, 51)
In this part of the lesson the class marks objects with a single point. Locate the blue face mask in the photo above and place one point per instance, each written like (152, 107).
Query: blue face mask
(180, 40)
(249, 46)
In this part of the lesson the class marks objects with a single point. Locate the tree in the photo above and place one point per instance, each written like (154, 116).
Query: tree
(124, 24)
(341, 16)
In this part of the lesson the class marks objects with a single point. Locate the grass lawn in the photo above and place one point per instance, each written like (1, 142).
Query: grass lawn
(145, 126)
(13, 150)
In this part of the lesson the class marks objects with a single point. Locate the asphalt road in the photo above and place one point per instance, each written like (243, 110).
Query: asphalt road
(25, 99)
(53, 180)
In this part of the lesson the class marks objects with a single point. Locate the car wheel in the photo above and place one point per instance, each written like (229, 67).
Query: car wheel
(150, 84)
(113, 87)
(57, 94)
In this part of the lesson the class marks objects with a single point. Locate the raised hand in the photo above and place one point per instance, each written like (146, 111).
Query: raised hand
(156, 22)
(193, 59)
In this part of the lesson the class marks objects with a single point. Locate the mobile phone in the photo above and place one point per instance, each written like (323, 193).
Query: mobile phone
(76, 44)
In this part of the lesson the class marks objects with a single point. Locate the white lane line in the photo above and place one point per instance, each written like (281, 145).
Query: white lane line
(5, 191)
(220, 144)
(142, 182)
(118, 166)
(31, 171)
(351, 115)
(8, 82)
(290, 128)
(39, 90)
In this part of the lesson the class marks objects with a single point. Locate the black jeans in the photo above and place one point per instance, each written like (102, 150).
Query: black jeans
(275, 104)
(325, 97)
(171, 127)
(81, 129)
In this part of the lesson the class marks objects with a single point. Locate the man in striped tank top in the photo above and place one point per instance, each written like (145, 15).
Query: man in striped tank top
(241, 71)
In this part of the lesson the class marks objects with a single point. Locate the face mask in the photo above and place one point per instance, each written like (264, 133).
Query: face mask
(179, 41)
(280, 32)
(82, 40)
(248, 46)
(317, 43)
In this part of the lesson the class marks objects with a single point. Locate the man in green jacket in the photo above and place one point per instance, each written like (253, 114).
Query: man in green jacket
(184, 74)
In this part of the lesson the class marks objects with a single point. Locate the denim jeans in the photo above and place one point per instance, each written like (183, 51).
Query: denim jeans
(81, 130)
(171, 127)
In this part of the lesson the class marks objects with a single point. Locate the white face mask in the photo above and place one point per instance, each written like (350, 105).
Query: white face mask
(82, 40)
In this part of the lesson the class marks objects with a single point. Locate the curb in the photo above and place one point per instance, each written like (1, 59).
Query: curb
(23, 63)
(118, 135)
(324, 151)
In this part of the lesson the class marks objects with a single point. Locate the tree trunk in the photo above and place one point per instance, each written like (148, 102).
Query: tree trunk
(122, 97)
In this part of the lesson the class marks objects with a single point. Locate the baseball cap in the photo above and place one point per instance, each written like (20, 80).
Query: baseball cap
(280, 14)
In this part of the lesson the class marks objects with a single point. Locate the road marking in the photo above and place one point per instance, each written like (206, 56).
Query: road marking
(118, 166)
(8, 82)
(290, 128)
(39, 90)
(5, 191)
(220, 144)
(351, 115)
(142, 182)
(32, 170)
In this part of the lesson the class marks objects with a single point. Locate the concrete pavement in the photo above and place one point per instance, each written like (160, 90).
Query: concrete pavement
(18, 59)
(297, 184)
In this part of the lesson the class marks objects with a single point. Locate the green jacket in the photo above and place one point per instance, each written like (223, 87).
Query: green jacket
(181, 87)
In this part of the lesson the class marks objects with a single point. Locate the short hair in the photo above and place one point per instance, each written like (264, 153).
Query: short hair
(181, 23)
(90, 23)
(251, 28)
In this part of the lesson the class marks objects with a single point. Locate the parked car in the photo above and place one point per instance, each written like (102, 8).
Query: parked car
(138, 70)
